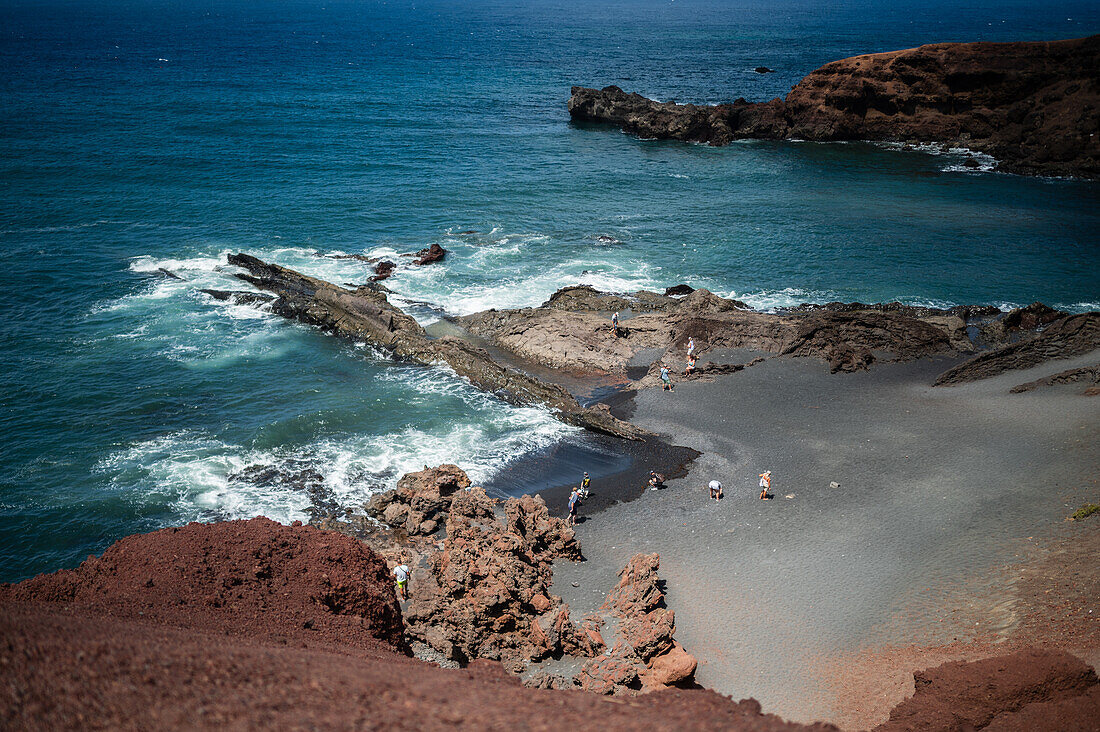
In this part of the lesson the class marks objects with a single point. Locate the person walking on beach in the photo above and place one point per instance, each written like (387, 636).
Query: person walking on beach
(715, 490)
(574, 499)
(765, 484)
(586, 483)
(666, 379)
(615, 323)
(401, 572)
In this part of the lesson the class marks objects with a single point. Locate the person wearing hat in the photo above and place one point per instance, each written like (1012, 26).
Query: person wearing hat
(586, 482)
(765, 484)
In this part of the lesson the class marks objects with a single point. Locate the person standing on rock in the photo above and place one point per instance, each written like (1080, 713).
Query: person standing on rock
(715, 490)
(666, 379)
(691, 348)
(574, 499)
(402, 572)
(765, 484)
(615, 323)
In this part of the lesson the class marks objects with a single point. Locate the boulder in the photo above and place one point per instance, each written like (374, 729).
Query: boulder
(383, 270)
(672, 667)
(420, 500)
(649, 634)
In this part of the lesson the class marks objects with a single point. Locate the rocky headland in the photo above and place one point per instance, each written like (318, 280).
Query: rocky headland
(1034, 106)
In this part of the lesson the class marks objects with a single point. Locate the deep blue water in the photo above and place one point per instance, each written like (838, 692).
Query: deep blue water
(140, 135)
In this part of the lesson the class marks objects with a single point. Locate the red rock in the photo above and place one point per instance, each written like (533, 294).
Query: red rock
(637, 590)
(606, 675)
(671, 667)
(420, 500)
(434, 253)
(649, 634)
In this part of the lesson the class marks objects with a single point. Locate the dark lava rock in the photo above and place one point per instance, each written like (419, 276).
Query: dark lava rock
(434, 253)
(383, 270)
(764, 70)
(677, 290)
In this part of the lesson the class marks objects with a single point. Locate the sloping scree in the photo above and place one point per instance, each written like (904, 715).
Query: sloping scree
(244, 577)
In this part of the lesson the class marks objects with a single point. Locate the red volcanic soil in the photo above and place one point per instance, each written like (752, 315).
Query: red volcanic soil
(252, 578)
(250, 624)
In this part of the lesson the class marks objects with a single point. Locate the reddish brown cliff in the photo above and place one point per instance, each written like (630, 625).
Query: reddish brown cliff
(1033, 106)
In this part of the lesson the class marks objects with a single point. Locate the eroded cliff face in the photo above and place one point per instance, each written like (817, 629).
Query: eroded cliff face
(1033, 106)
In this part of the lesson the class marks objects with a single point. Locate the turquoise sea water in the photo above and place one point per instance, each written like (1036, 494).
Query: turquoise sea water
(142, 135)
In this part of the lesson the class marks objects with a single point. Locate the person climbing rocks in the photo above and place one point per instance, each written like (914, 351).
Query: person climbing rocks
(666, 379)
(574, 499)
(402, 572)
(715, 490)
(656, 480)
(586, 484)
(691, 347)
(615, 323)
(765, 484)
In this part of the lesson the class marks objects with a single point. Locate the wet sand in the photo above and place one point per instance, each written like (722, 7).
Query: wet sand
(942, 493)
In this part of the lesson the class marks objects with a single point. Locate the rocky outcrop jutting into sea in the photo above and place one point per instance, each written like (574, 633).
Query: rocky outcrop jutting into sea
(1033, 106)
(365, 314)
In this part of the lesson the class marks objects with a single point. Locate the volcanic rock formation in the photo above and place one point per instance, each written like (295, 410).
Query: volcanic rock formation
(487, 593)
(1071, 335)
(570, 330)
(1033, 106)
(365, 314)
(421, 500)
(242, 577)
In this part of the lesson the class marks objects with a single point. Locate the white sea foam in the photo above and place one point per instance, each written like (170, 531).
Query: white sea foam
(189, 471)
(787, 297)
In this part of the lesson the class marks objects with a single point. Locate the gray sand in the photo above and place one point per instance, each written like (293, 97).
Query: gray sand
(939, 491)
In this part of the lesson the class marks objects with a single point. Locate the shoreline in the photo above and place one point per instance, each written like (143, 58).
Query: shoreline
(938, 490)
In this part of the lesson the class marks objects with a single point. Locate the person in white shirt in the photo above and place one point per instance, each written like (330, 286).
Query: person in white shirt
(402, 572)
(765, 484)
(715, 490)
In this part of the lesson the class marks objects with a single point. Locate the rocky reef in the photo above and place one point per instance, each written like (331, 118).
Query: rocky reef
(1031, 105)
(365, 314)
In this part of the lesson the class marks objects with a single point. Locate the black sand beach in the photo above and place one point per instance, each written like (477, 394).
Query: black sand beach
(942, 493)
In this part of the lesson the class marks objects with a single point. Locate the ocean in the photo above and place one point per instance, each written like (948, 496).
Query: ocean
(141, 135)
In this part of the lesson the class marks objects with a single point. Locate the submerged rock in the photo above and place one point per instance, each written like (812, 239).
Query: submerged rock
(434, 253)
